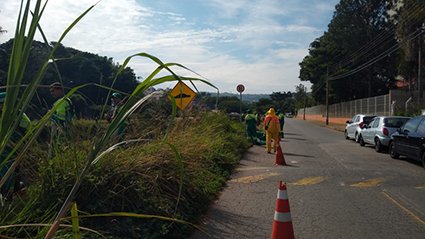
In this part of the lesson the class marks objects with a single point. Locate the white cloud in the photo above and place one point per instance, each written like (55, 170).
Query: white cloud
(273, 41)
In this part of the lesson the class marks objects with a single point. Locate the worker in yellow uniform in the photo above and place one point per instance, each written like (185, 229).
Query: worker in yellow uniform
(13, 183)
(272, 129)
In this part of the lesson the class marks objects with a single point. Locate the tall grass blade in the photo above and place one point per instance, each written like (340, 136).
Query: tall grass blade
(13, 107)
(133, 102)
(181, 173)
(136, 215)
(75, 222)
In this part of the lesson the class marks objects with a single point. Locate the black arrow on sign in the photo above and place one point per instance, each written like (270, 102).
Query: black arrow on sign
(181, 96)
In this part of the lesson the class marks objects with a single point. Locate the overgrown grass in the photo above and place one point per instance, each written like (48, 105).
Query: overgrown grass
(74, 174)
(142, 179)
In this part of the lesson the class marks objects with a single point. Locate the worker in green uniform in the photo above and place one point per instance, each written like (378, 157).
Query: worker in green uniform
(12, 184)
(62, 116)
(117, 100)
(281, 117)
(251, 126)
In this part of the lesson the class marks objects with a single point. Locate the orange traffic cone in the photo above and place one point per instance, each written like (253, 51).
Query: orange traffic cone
(282, 224)
(280, 159)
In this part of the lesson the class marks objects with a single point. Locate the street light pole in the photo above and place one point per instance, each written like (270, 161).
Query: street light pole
(305, 101)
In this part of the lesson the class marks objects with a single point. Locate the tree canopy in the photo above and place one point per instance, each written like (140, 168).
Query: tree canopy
(74, 68)
(359, 51)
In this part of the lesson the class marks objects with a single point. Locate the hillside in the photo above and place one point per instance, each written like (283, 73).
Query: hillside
(247, 97)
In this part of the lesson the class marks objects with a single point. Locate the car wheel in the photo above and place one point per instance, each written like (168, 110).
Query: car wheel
(361, 141)
(378, 145)
(346, 134)
(393, 153)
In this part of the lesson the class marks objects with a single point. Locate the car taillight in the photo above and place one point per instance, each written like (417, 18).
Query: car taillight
(385, 131)
(361, 125)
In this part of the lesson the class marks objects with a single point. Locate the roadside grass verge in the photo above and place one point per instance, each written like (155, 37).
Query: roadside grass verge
(143, 179)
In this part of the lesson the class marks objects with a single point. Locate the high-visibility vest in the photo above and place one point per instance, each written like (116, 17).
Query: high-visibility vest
(64, 112)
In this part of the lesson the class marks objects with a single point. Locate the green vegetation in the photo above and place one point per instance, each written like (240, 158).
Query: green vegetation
(285, 101)
(170, 179)
(141, 178)
(368, 43)
(73, 68)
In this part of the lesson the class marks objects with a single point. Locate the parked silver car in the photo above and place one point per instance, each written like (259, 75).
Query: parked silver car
(379, 131)
(354, 125)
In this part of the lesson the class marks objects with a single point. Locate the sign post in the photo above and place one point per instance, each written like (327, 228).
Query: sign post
(240, 88)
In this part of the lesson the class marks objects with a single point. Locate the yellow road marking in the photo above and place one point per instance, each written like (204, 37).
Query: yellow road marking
(421, 187)
(369, 183)
(416, 218)
(253, 179)
(309, 181)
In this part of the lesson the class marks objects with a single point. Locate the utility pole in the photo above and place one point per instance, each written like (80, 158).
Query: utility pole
(327, 95)
(305, 99)
(305, 103)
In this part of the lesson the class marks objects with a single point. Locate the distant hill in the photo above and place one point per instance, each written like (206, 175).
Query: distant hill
(247, 97)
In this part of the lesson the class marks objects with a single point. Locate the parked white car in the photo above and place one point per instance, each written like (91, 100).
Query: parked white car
(379, 131)
(354, 125)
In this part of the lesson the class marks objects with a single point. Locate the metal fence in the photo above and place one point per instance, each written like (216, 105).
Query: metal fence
(395, 103)
(379, 105)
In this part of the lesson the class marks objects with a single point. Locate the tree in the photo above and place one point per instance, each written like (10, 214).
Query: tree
(409, 21)
(75, 68)
(283, 101)
(350, 43)
(229, 104)
(263, 105)
(302, 97)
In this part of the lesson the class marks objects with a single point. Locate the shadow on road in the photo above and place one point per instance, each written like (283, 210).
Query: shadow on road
(230, 225)
(301, 139)
(298, 155)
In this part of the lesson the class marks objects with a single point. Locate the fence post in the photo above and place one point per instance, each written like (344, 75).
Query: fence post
(375, 104)
(385, 104)
(392, 107)
(367, 105)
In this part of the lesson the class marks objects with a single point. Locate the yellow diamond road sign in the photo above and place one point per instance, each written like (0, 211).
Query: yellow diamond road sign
(183, 95)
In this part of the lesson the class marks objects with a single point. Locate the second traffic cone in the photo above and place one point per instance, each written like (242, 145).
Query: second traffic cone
(280, 159)
(282, 224)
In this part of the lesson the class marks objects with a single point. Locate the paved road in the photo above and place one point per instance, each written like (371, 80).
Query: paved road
(336, 188)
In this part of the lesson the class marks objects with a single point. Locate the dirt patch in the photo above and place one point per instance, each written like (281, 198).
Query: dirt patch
(334, 123)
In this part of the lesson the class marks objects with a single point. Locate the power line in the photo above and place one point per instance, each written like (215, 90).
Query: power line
(381, 39)
(394, 48)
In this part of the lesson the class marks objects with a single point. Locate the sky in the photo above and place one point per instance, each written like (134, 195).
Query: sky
(256, 43)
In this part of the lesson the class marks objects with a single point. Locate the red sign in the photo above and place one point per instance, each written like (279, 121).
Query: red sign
(240, 88)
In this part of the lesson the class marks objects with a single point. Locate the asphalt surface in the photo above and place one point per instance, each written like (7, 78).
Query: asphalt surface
(336, 189)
